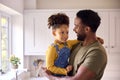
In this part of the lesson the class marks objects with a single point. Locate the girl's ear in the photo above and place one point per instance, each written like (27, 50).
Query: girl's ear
(53, 32)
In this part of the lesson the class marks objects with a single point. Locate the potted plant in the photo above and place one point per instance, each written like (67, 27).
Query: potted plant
(15, 61)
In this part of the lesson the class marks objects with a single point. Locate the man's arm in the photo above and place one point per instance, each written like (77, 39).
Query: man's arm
(83, 73)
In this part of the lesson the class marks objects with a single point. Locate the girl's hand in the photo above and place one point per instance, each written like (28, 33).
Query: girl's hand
(100, 40)
(69, 68)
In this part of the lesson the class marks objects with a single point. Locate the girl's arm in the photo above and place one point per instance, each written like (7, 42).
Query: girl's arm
(51, 56)
(71, 43)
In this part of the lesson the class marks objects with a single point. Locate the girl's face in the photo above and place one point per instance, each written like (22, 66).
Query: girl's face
(61, 33)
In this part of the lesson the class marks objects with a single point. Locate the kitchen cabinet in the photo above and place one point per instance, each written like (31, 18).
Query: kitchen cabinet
(37, 36)
(103, 29)
(109, 30)
(115, 32)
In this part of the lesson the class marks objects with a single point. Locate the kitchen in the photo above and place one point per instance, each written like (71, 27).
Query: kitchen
(28, 17)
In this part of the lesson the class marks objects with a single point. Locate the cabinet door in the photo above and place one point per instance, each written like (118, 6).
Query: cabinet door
(29, 23)
(103, 29)
(37, 35)
(43, 36)
(115, 32)
(71, 15)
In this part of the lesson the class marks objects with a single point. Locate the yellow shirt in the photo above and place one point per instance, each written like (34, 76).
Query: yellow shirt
(51, 56)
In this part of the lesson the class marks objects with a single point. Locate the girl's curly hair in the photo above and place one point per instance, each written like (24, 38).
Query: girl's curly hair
(58, 19)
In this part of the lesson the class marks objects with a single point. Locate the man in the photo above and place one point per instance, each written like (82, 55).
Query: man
(88, 58)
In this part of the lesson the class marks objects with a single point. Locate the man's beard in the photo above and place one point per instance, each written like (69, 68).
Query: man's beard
(81, 37)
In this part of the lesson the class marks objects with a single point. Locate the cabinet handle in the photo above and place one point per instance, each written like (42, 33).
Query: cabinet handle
(34, 31)
(106, 47)
(112, 46)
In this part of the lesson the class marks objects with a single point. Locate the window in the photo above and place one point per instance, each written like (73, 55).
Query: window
(4, 42)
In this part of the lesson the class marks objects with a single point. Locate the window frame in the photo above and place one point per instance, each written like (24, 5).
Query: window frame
(9, 38)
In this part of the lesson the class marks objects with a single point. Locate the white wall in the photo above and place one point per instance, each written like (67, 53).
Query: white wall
(73, 4)
(30, 4)
(17, 5)
(17, 36)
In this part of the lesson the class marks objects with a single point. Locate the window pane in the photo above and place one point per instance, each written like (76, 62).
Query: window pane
(3, 22)
(4, 35)
(4, 38)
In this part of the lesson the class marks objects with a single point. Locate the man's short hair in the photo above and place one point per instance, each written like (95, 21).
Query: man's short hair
(89, 18)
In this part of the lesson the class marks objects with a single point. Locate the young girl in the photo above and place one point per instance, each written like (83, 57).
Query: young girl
(58, 53)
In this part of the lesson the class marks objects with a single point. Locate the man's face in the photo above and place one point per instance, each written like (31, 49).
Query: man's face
(79, 29)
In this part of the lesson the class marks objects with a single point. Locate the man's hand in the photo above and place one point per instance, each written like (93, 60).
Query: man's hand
(48, 74)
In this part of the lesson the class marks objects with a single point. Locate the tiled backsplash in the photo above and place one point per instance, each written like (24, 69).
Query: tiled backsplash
(28, 63)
